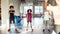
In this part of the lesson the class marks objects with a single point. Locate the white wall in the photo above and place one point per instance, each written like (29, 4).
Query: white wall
(5, 11)
(16, 4)
(4, 14)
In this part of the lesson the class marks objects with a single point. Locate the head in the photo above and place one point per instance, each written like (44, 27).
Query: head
(11, 7)
(29, 10)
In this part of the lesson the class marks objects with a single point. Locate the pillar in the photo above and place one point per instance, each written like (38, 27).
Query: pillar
(4, 13)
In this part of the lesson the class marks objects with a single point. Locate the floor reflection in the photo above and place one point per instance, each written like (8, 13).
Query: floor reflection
(37, 23)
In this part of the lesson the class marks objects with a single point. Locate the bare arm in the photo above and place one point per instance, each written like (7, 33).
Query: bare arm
(32, 15)
(11, 12)
(42, 15)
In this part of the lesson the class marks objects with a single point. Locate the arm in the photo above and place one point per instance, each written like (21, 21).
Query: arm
(42, 15)
(49, 15)
(32, 15)
(27, 16)
(11, 11)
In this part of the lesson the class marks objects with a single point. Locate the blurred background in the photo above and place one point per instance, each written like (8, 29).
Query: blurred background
(37, 7)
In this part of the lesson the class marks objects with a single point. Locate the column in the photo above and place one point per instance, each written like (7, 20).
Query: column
(5, 13)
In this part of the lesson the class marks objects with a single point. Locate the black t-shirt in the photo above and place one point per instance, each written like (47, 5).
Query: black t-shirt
(11, 14)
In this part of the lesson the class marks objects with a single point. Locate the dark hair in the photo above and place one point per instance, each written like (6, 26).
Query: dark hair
(29, 10)
(11, 7)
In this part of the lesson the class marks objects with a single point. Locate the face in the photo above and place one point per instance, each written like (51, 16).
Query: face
(11, 8)
(29, 11)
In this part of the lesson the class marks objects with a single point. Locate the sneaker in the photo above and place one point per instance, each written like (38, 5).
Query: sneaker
(16, 30)
(48, 30)
(32, 30)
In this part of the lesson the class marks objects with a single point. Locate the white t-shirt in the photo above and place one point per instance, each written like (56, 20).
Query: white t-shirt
(46, 16)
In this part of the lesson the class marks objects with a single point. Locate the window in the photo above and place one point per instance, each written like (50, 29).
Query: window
(26, 8)
(38, 9)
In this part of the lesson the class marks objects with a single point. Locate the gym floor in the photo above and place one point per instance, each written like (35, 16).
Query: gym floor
(37, 28)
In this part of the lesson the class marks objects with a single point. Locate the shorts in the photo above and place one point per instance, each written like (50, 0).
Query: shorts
(46, 22)
(29, 21)
(10, 21)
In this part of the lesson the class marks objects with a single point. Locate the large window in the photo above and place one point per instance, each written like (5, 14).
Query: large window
(38, 9)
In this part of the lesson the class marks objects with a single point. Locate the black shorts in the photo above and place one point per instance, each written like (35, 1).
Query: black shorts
(29, 21)
(10, 21)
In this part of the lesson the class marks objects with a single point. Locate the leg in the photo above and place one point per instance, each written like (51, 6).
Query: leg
(9, 24)
(48, 24)
(44, 25)
(27, 25)
(14, 24)
(31, 25)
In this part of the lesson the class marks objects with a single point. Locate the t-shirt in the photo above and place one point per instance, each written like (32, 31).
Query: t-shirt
(29, 16)
(46, 16)
(11, 14)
